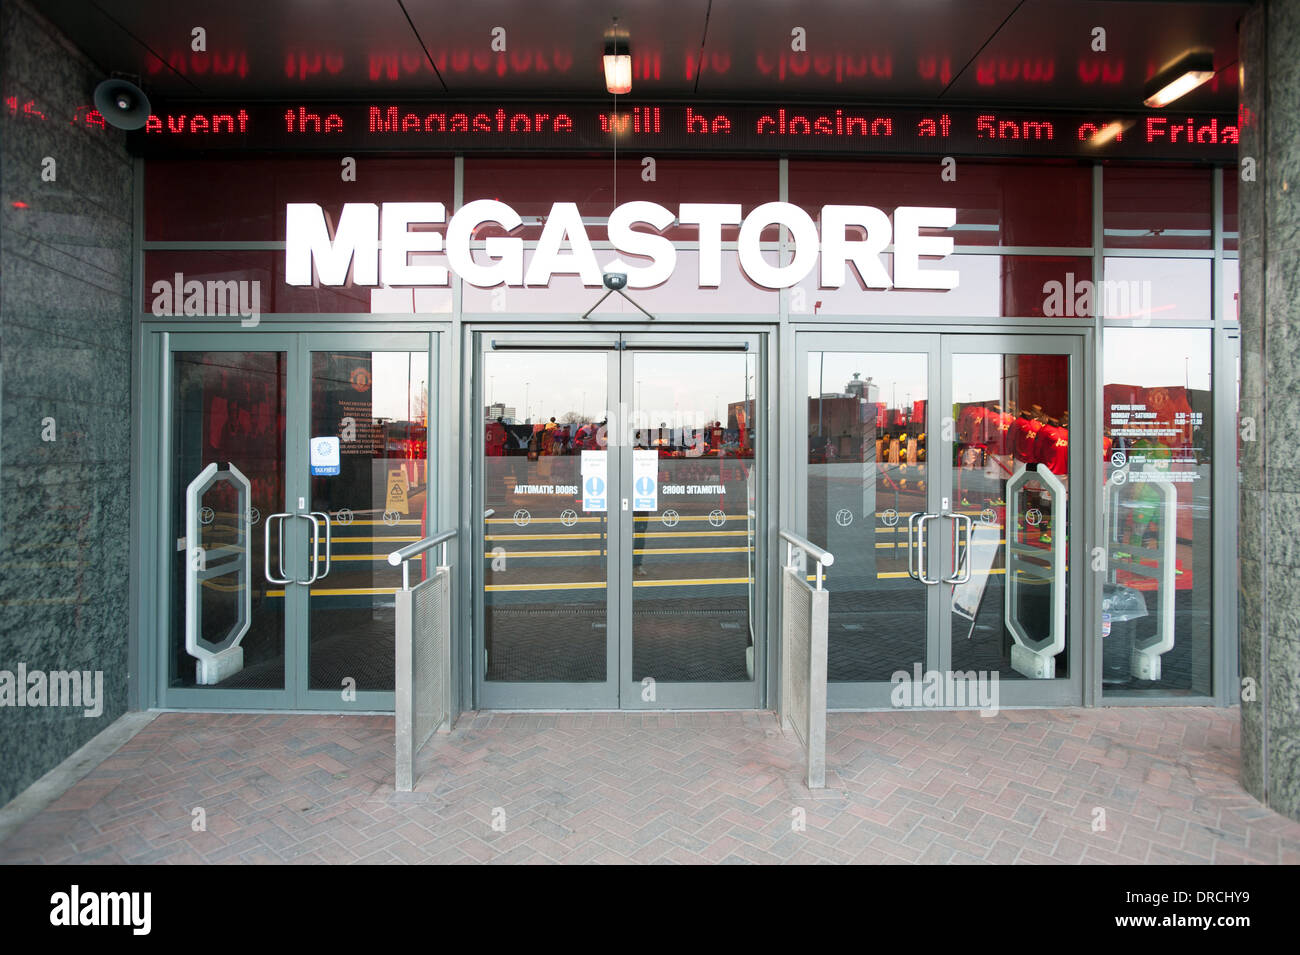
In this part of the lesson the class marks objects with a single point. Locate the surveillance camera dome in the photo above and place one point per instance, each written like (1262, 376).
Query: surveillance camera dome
(615, 280)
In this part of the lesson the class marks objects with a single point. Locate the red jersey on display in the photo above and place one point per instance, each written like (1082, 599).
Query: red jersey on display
(1052, 446)
(1026, 439)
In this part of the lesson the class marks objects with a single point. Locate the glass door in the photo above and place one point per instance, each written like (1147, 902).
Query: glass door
(693, 472)
(547, 632)
(295, 464)
(616, 506)
(936, 466)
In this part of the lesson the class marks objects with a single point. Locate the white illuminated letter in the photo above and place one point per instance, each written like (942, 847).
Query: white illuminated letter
(710, 217)
(508, 253)
(863, 253)
(804, 232)
(655, 247)
(564, 220)
(910, 245)
(307, 238)
(399, 242)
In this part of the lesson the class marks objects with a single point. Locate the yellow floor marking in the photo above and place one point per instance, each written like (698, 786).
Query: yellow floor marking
(600, 584)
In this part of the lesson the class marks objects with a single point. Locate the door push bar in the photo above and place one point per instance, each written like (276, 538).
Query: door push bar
(916, 556)
(315, 517)
(916, 548)
(961, 567)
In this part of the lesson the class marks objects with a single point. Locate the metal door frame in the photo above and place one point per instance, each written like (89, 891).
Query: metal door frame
(618, 690)
(1062, 691)
(859, 694)
(297, 347)
(940, 344)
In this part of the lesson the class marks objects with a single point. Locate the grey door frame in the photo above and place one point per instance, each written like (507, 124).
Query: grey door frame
(617, 690)
(297, 346)
(941, 344)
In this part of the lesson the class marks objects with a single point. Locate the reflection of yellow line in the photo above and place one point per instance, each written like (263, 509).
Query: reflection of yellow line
(887, 544)
(370, 540)
(600, 584)
(695, 582)
(893, 576)
(596, 553)
(354, 522)
(383, 557)
(542, 537)
(545, 520)
(341, 591)
(590, 585)
(691, 534)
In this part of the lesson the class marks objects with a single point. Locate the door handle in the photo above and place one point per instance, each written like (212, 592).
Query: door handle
(911, 545)
(266, 548)
(923, 553)
(959, 576)
(315, 549)
(329, 541)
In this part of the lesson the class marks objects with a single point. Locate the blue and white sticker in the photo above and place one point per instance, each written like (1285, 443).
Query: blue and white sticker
(325, 456)
(595, 479)
(645, 480)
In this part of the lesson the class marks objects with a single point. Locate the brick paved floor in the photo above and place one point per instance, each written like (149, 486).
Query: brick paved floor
(1022, 786)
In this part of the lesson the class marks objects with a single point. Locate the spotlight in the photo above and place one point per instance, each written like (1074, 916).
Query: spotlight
(1177, 80)
(618, 67)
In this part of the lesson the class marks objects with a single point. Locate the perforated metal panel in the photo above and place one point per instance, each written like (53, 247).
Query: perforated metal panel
(804, 620)
(423, 692)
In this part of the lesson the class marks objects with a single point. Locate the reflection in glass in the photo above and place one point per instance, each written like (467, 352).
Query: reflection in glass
(376, 403)
(228, 408)
(544, 547)
(867, 476)
(693, 477)
(1156, 607)
(1010, 455)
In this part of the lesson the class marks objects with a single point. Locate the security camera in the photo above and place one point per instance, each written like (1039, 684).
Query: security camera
(615, 281)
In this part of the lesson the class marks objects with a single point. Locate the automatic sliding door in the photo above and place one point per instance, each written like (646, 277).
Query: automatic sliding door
(548, 626)
(693, 473)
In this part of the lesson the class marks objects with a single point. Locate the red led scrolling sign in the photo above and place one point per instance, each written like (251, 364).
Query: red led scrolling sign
(582, 127)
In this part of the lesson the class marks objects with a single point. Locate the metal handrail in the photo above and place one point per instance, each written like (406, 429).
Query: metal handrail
(404, 555)
(794, 542)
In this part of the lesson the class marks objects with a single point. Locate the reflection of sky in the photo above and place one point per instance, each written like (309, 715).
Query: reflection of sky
(1154, 357)
(392, 375)
(903, 375)
(679, 389)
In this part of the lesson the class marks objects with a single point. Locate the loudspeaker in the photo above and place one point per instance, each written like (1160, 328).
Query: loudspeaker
(122, 104)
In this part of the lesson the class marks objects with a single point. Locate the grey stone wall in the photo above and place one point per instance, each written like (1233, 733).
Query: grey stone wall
(1269, 608)
(65, 350)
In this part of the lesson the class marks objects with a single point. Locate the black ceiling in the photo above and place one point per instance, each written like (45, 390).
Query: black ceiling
(1005, 52)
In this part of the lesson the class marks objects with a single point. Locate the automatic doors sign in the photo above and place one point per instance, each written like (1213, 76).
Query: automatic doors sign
(594, 481)
(645, 480)
(324, 456)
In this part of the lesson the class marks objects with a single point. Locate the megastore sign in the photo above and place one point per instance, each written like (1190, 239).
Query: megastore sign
(375, 244)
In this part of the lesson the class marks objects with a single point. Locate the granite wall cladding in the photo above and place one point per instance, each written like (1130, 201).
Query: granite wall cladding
(1269, 609)
(65, 353)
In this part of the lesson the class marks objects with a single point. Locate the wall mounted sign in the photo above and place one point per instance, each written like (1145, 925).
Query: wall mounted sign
(372, 243)
(790, 129)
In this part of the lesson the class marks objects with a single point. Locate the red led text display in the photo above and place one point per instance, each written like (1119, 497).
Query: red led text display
(470, 127)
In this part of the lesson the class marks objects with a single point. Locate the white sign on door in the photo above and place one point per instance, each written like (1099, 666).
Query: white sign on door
(325, 456)
(645, 480)
(595, 481)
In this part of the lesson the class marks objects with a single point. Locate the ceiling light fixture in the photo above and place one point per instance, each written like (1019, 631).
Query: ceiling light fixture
(1173, 82)
(618, 66)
